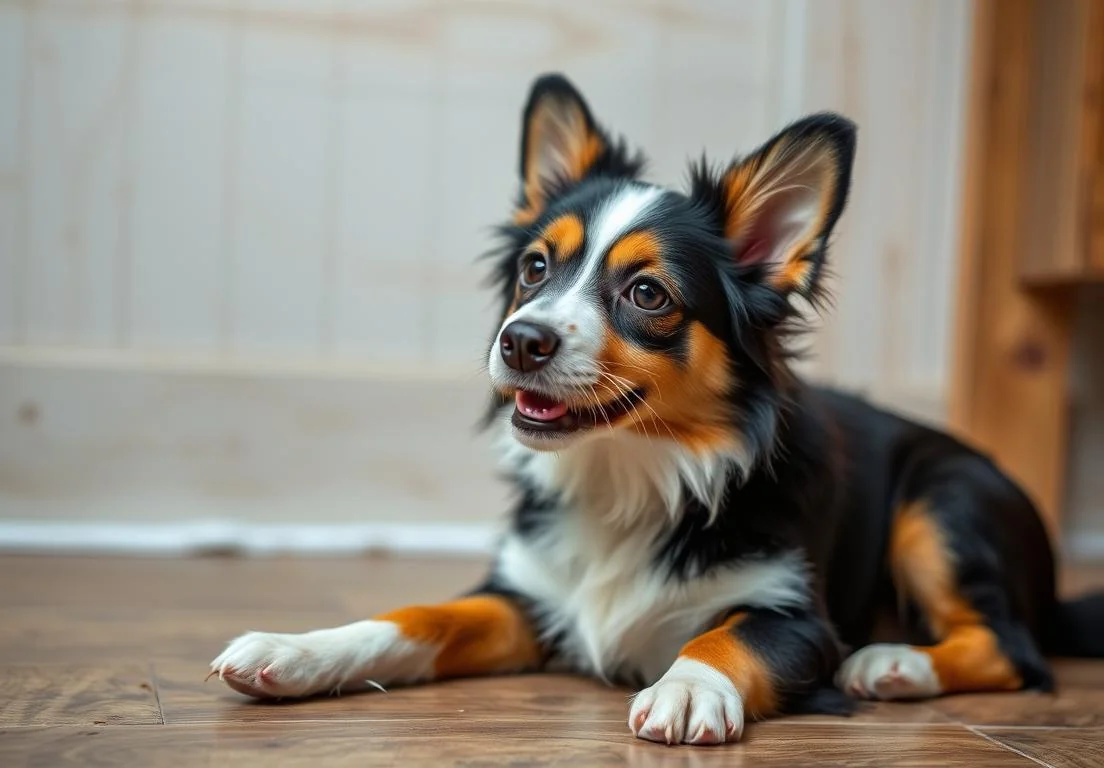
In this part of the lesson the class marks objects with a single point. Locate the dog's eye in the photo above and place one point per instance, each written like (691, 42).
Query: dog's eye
(648, 296)
(534, 270)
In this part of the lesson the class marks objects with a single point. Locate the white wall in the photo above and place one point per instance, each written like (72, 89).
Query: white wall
(1085, 481)
(237, 239)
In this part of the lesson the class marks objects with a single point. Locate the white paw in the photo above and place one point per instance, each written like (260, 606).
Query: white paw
(352, 657)
(691, 704)
(888, 671)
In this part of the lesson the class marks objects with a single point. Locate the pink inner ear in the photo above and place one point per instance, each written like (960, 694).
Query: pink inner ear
(754, 250)
(783, 220)
(770, 240)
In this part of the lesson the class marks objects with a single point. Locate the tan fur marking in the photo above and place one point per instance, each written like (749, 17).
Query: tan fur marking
(923, 568)
(634, 248)
(722, 650)
(683, 402)
(565, 234)
(475, 635)
(970, 659)
(968, 656)
(583, 150)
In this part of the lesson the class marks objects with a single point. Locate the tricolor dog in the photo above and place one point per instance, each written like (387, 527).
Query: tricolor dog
(693, 520)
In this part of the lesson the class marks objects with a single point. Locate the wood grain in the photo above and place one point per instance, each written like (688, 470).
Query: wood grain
(1065, 192)
(89, 653)
(1012, 345)
(186, 698)
(62, 694)
(1060, 748)
(492, 743)
(43, 636)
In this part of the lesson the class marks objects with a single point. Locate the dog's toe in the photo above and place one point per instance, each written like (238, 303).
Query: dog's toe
(691, 704)
(888, 672)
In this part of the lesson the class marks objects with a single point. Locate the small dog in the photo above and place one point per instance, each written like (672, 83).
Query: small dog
(693, 520)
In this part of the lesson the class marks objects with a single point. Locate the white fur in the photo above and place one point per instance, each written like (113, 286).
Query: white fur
(888, 671)
(351, 657)
(619, 213)
(622, 475)
(614, 612)
(692, 703)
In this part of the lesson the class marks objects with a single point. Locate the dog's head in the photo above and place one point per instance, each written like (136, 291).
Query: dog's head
(628, 306)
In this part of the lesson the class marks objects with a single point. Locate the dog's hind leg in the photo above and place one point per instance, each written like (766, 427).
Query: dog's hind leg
(476, 635)
(951, 566)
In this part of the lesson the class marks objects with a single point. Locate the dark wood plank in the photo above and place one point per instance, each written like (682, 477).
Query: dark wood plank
(86, 635)
(1061, 748)
(63, 694)
(138, 585)
(493, 742)
(1069, 707)
(1077, 702)
(110, 633)
(186, 698)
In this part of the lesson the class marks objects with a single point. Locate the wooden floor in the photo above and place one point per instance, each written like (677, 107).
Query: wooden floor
(102, 662)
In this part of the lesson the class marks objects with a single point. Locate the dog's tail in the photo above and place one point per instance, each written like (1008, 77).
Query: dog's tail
(1076, 628)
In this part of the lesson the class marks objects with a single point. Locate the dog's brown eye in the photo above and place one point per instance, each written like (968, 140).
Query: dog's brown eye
(534, 270)
(648, 296)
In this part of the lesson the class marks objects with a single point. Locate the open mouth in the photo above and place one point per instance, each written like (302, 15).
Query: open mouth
(534, 412)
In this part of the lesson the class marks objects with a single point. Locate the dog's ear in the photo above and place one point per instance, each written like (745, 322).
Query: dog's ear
(560, 143)
(781, 202)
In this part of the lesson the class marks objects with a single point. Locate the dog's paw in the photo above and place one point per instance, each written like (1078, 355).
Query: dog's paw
(353, 657)
(267, 665)
(691, 704)
(888, 671)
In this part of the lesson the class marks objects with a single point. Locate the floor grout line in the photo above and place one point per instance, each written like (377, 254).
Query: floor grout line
(978, 732)
(1003, 727)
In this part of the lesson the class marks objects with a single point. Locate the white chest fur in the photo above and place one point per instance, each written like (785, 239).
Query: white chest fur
(613, 612)
(591, 569)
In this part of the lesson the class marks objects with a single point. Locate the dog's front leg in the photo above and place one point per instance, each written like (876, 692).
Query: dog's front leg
(754, 664)
(477, 635)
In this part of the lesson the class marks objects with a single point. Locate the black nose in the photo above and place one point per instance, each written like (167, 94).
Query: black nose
(526, 347)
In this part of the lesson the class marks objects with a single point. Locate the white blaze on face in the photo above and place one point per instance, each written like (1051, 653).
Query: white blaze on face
(574, 314)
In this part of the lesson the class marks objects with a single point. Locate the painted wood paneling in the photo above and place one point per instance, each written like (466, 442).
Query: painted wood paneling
(309, 183)
(316, 179)
(147, 443)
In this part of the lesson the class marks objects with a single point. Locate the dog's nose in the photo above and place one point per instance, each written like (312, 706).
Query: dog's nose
(527, 347)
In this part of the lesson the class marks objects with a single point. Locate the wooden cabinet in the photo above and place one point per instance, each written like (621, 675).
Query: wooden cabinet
(1033, 231)
(1065, 190)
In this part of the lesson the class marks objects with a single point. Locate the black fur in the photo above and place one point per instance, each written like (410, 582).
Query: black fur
(830, 471)
(801, 652)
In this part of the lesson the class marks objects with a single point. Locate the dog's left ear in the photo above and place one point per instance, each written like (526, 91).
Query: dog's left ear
(782, 201)
(560, 142)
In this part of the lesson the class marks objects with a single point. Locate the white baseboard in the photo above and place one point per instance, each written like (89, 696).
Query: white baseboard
(268, 539)
(1084, 546)
(247, 539)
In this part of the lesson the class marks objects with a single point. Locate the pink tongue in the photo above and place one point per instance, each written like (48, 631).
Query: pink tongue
(539, 407)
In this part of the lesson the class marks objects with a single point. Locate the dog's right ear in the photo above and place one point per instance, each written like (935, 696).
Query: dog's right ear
(560, 143)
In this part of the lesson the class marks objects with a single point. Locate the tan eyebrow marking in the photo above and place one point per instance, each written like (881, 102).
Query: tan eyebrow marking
(566, 235)
(640, 247)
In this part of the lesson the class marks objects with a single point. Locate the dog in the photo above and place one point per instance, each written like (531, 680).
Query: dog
(693, 520)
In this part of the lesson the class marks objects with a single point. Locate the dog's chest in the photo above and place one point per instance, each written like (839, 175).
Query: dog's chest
(600, 593)
(607, 609)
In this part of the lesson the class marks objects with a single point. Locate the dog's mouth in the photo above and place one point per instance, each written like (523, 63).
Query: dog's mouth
(539, 414)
